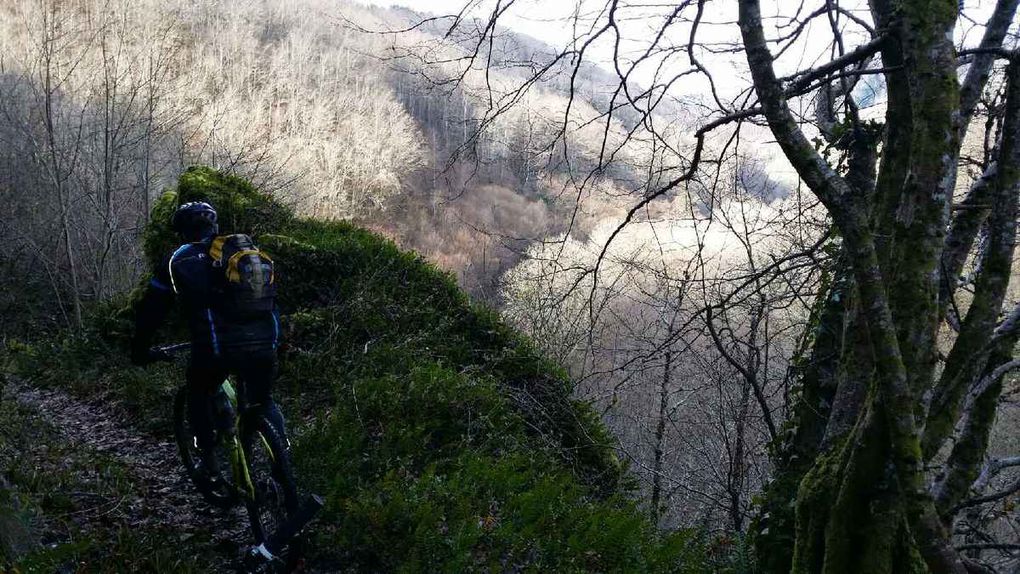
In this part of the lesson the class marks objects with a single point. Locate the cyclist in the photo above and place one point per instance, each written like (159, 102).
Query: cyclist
(226, 337)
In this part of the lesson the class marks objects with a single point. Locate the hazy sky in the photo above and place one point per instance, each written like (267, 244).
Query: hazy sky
(551, 21)
(554, 22)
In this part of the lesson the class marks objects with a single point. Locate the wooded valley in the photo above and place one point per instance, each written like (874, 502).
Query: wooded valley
(694, 286)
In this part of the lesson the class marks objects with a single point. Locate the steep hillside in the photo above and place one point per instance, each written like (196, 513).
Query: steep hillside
(440, 438)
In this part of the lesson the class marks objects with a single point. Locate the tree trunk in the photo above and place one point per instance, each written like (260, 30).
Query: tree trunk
(811, 399)
(55, 166)
(660, 434)
(864, 505)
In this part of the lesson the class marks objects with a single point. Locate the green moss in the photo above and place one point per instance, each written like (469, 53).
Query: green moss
(816, 364)
(850, 516)
(240, 207)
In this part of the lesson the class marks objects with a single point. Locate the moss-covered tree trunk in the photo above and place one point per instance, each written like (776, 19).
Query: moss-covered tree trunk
(850, 493)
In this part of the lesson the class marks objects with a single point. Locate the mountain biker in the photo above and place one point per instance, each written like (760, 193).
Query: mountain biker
(225, 337)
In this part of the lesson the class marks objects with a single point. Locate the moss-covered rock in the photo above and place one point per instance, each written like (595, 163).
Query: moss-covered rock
(240, 207)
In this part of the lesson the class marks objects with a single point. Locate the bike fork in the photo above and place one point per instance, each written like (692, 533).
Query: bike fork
(242, 477)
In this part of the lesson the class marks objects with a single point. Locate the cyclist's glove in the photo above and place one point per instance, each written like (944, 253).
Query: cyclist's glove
(142, 356)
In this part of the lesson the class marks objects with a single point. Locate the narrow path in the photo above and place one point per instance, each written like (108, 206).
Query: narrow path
(164, 496)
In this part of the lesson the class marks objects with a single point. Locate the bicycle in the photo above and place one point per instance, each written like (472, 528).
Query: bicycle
(260, 475)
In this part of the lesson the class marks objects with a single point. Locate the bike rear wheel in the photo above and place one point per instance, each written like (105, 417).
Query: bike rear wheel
(218, 491)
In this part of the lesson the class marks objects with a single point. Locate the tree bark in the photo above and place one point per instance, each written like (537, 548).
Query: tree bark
(812, 401)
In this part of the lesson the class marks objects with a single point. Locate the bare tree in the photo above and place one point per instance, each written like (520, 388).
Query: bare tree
(79, 140)
(104, 102)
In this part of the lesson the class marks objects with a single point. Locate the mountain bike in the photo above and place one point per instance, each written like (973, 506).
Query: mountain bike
(258, 472)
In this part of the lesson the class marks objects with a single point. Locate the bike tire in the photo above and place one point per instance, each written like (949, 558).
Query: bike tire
(273, 478)
(219, 494)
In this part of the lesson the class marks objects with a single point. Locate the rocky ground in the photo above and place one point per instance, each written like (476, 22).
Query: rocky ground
(89, 486)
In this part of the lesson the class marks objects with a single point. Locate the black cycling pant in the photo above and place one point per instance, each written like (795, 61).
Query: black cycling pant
(256, 370)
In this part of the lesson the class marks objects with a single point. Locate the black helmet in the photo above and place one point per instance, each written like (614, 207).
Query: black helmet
(195, 219)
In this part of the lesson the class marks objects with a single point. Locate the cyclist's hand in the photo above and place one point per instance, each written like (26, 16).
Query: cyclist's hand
(143, 357)
(157, 355)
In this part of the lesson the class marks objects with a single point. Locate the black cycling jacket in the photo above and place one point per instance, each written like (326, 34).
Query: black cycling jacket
(188, 273)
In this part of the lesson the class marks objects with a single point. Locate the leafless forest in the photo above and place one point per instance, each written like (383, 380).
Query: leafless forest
(773, 243)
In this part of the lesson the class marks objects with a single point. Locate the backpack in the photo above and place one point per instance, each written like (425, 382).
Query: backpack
(244, 276)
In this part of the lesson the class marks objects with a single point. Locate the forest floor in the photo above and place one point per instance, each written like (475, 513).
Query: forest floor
(94, 490)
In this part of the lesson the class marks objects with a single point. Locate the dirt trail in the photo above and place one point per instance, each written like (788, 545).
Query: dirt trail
(164, 495)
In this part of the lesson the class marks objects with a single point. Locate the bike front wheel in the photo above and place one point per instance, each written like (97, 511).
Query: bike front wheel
(272, 492)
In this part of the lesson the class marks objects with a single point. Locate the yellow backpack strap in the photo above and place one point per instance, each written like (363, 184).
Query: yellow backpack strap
(216, 249)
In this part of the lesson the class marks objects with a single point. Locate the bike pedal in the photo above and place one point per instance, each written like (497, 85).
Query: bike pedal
(259, 559)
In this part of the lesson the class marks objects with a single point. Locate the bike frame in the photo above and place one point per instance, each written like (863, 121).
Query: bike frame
(243, 487)
(239, 468)
(238, 460)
